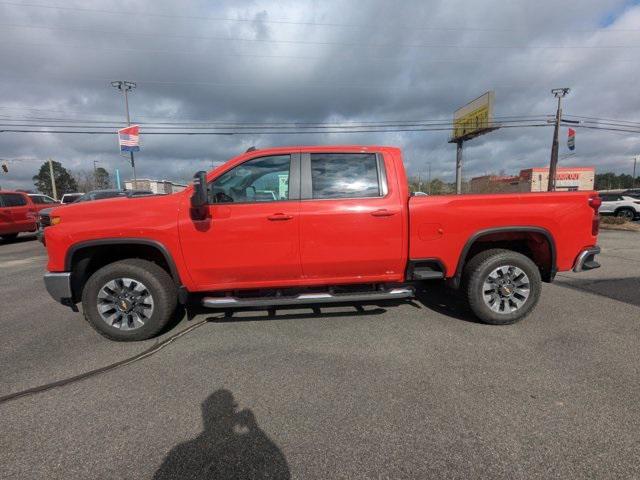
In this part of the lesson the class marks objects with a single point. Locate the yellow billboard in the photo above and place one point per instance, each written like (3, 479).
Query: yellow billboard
(474, 119)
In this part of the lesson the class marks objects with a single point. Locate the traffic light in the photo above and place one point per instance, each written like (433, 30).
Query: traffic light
(5, 168)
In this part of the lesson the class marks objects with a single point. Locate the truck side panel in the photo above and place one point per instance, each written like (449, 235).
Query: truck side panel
(441, 226)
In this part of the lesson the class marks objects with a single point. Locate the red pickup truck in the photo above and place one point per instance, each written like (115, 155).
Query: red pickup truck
(310, 226)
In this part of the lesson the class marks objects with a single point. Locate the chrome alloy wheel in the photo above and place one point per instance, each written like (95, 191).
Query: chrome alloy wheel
(506, 289)
(125, 303)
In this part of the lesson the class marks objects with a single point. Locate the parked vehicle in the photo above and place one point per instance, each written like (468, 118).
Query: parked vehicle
(620, 205)
(70, 197)
(42, 201)
(104, 194)
(341, 229)
(632, 192)
(17, 214)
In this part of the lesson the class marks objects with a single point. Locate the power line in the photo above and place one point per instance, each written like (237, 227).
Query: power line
(220, 122)
(165, 126)
(598, 119)
(322, 43)
(259, 132)
(173, 16)
(302, 132)
(345, 54)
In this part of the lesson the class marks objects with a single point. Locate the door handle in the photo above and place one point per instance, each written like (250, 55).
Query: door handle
(279, 217)
(383, 212)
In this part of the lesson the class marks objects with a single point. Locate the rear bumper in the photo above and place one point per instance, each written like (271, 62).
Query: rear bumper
(586, 260)
(59, 286)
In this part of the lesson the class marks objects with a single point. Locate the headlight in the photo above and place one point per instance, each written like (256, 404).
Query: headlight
(55, 220)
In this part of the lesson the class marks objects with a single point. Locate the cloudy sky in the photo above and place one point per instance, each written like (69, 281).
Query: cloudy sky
(315, 61)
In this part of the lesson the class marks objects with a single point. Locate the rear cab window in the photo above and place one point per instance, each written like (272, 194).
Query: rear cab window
(345, 175)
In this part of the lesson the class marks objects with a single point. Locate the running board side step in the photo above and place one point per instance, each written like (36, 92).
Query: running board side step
(308, 299)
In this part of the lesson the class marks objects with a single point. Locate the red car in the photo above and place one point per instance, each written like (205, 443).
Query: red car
(309, 226)
(17, 214)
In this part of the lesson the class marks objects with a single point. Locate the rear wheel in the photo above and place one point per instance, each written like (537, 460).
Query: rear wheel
(626, 213)
(10, 237)
(129, 300)
(502, 286)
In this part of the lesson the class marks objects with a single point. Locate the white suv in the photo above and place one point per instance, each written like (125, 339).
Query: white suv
(620, 205)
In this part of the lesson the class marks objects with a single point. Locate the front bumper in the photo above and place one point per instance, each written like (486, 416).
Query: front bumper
(586, 260)
(59, 286)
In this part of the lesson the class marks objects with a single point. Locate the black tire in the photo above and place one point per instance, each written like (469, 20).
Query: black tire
(478, 270)
(627, 213)
(9, 238)
(159, 284)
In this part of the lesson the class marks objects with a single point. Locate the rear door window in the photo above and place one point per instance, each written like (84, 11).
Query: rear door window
(345, 175)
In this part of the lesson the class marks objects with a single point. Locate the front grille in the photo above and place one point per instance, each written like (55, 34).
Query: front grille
(44, 220)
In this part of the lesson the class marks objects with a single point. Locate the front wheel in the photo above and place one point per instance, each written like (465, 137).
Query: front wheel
(129, 300)
(502, 286)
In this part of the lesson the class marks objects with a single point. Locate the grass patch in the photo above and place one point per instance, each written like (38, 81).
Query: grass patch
(616, 223)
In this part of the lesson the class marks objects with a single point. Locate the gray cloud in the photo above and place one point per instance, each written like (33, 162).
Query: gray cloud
(416, 59)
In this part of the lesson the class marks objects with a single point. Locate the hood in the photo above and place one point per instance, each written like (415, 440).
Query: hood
(115, 210)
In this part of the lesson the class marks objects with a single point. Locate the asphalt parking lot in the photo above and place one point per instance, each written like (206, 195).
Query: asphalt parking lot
(412, 391)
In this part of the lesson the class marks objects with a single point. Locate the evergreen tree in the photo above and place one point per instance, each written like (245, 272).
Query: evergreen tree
(65, 183)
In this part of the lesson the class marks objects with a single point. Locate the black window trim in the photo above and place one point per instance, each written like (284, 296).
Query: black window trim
(306, 187)
(294, 179)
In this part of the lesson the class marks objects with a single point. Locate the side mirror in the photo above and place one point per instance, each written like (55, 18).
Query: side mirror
(199, 198)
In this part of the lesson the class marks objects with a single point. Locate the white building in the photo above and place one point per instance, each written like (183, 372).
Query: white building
(156, 186)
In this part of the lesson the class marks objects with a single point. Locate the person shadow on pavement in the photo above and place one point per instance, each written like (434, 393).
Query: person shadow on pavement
(231, 446)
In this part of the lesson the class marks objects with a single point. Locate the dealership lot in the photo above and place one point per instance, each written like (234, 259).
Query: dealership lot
(407, 391)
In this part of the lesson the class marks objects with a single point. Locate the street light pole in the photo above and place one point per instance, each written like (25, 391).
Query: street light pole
(125, 86)
(553, 165)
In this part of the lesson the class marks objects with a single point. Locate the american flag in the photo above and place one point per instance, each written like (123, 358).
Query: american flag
(129, 139)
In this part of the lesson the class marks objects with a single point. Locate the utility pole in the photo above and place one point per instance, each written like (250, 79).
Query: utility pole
(95, 173)
(553, 165)
(125, 86)
(459, 167)
(429, 179)
(633, 181)
(53, 181)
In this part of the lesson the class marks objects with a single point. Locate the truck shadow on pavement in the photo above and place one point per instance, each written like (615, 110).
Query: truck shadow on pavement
(231, 446)
(439, 298)
(294, 313)
(434, 296)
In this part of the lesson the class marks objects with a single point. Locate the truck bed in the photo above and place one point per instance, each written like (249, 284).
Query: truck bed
(441, 226)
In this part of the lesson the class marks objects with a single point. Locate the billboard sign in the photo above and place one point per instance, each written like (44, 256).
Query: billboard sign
(474, 119)
(571, 179)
